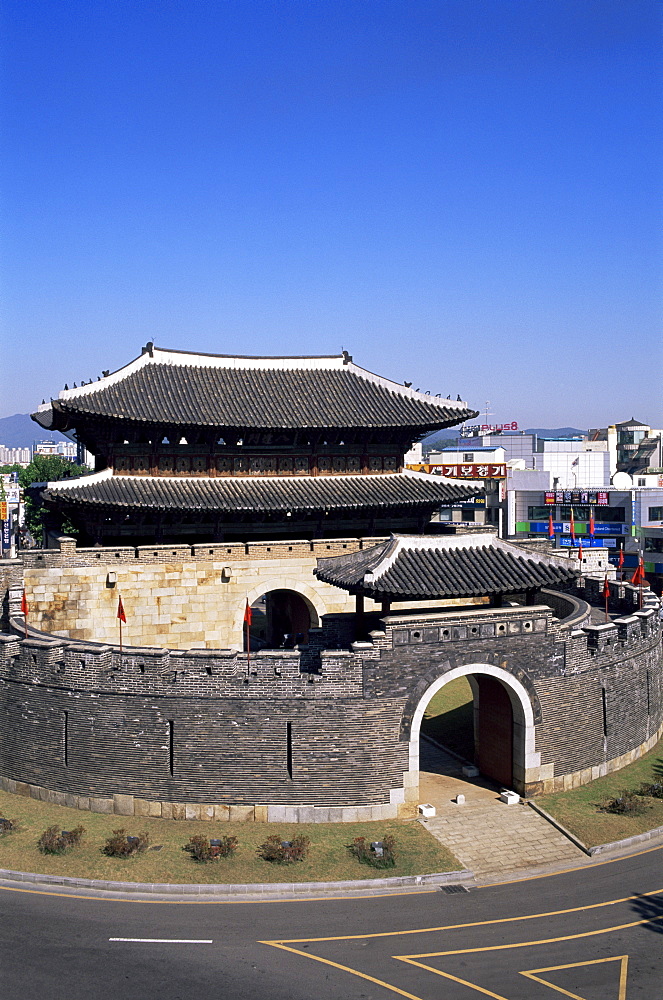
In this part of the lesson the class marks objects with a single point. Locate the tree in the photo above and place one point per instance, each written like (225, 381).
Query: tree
(44, 469)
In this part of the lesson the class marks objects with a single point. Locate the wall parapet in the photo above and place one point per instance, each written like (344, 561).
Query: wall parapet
(69, 555)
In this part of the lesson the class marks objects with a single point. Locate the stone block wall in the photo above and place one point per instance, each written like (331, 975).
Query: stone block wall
(178, 596)
(322, 733)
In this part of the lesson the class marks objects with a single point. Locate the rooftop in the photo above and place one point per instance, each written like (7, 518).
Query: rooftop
(422, 567)
(177, 387)
(259, 493)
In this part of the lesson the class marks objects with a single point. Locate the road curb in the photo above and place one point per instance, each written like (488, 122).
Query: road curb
(241, 889)
(615, 845)
(637, 838)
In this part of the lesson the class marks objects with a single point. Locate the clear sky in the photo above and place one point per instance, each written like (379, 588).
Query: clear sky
(466, 194)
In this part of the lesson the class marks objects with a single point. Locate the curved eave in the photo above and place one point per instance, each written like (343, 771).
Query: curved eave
(255, 494)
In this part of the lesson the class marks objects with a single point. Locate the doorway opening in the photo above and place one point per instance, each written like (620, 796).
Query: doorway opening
(280, 619)
(473, 717)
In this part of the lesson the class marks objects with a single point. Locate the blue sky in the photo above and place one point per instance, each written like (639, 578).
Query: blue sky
(466, 195)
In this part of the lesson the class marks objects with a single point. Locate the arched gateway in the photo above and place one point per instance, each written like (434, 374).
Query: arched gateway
(504, 733)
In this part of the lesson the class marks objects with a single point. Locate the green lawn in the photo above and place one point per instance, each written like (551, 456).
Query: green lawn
(579, 810)
(449, 717)
(417, 852)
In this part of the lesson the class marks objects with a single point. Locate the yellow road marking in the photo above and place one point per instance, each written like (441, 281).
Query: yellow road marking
(527, 944)
(344, 968)
(623, 971)
(475, 923)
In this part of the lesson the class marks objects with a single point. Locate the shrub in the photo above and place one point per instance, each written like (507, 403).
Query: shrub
(119, 845)
(202, 849)
(377, 854)
(627, 803)
(282, 852)
(6, 826)
(56, 841)
(653, 790)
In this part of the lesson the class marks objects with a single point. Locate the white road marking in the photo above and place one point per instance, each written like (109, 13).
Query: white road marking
(166, 940)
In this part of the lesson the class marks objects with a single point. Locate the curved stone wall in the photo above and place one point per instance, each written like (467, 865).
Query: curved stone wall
(320, 733)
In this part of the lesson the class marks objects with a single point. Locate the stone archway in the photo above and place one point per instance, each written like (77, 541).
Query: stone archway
(291, 608)
(504, 724)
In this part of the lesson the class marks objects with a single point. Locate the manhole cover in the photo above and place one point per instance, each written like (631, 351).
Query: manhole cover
(453, 888)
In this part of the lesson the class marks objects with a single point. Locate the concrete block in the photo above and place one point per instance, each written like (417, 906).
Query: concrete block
(155, 809)
(178, 810)
(192, 810)
(509, 798)
(426, 810)
(141, 807)
(101, 805)
(470, 771)
(123, 805)
(241, 814)
(349, 814)
(460, 799)
(261, 814)
(207, 813)
(23, 788)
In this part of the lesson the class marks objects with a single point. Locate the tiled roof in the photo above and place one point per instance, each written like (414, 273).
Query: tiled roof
(169, 387)
(469, 565)
(258, 493)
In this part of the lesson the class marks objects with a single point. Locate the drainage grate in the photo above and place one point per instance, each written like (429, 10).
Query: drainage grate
(453, 888)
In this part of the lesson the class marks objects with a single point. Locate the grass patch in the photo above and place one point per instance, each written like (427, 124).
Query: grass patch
(580, 810)
(449, 717)
(328, 861)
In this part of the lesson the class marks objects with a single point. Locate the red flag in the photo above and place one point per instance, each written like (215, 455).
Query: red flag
(606, 588)
(591, 523)
(248, 613)
(25, 607)
(573, 528)
(120, 611)
(621, 558)
(580, 550)
(551, 530)
(639, 575)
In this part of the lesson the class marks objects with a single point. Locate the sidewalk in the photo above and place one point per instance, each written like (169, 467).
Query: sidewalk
(487, 836)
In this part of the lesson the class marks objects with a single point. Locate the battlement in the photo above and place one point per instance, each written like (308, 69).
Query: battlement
(69, 555)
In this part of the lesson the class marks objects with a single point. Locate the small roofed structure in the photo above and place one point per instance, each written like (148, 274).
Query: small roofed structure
(419, 567)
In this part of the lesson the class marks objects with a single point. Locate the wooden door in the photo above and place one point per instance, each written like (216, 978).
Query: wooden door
(495, 731)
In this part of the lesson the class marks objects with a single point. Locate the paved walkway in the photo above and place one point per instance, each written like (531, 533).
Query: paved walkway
(487, 836)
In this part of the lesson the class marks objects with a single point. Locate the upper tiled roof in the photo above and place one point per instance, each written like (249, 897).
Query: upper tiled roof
(418, 566)
(259, 493)
(210, 390)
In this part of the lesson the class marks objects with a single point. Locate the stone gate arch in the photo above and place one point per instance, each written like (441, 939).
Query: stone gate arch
(314, 602)
(526, 761)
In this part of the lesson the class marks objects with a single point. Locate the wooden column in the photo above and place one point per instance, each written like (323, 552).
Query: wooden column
(359, 616)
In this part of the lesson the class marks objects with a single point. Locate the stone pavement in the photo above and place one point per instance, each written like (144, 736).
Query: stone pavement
(487, 836)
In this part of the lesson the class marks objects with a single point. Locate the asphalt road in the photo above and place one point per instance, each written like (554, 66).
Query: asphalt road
(594, 934)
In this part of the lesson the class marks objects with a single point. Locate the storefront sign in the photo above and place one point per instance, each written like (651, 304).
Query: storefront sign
(599, 498)
(490, 471)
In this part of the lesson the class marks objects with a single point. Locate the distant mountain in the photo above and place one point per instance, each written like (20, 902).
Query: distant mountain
(555, 432)
(20, 431)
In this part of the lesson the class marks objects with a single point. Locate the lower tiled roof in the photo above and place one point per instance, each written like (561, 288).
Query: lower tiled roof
(258, 493)
(471, 565)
